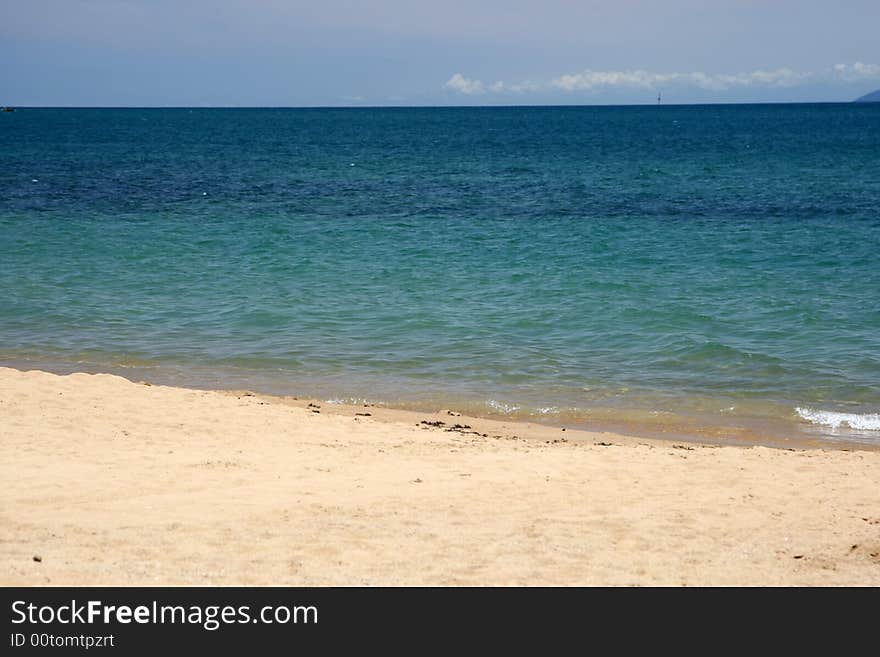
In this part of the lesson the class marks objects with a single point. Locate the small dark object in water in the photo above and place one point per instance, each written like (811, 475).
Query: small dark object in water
(604, 444)
(38, 558)
(364, 414)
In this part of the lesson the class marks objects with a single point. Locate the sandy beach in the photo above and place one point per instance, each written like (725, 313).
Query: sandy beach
(112, 482)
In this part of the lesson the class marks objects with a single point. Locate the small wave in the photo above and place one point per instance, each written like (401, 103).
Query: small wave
(549, 410)
(833, 419)
(348, 401)
(501, 406)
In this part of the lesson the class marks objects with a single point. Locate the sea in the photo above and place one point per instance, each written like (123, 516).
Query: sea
(706, 272)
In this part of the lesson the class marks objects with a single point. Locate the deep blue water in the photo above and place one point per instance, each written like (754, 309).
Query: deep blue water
(664, 266)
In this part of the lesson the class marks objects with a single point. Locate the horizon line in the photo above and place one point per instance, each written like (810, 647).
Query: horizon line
(429, 106)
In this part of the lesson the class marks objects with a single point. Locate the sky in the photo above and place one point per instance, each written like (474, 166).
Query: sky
(445, 52)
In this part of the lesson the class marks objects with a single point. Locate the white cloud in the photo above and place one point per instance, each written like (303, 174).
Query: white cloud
(466, 86)
(856, 72)
(781, 77)
(640, 79)
(588, 80)
(526, 86)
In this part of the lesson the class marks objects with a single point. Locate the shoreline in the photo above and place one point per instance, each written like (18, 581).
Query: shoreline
(692, 427)
(108, 481)
(552, 430)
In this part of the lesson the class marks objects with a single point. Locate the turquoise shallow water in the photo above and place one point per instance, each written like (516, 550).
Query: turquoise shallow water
(646, 268)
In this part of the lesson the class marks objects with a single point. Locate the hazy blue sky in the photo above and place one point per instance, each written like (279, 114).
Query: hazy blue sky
(398, 52)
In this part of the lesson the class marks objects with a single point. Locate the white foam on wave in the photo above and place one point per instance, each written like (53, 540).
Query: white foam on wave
(549, 410)
(348, 401)
(501, 406)
(835, 420)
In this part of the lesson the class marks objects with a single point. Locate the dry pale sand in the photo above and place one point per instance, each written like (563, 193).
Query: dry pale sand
(113, 482)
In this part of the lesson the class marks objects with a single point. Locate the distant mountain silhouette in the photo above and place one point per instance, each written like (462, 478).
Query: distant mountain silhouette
(873, 97)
